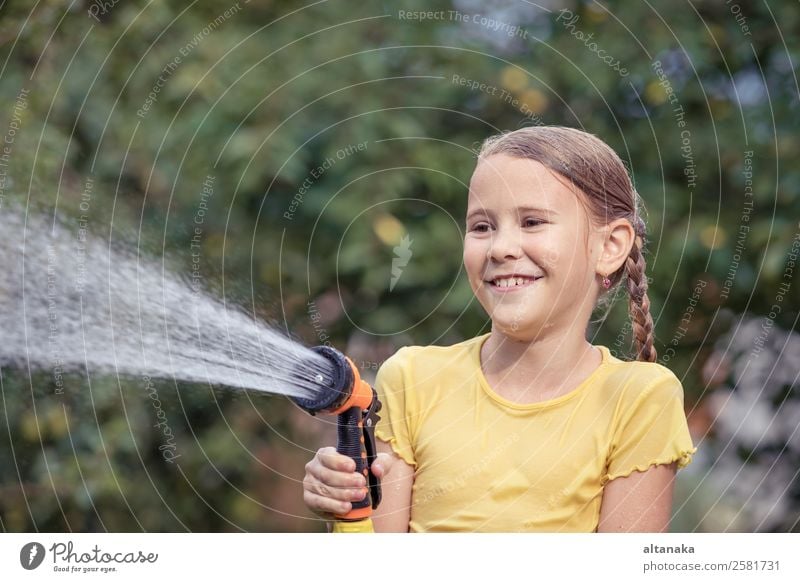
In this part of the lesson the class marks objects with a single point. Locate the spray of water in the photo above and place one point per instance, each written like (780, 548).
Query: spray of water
(72, 302)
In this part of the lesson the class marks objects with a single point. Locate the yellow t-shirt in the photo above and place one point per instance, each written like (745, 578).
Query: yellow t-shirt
(484, 463)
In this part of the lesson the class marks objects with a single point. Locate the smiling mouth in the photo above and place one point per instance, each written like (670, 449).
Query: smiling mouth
(511, 283)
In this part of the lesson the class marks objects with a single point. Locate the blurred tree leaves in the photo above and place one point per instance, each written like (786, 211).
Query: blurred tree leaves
(259, 101)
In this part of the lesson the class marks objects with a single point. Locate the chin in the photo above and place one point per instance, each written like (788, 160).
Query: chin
(515, 331)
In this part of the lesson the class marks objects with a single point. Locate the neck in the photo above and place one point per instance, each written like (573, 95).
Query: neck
(540, 365)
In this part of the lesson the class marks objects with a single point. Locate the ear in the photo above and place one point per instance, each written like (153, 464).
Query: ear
(616, 241)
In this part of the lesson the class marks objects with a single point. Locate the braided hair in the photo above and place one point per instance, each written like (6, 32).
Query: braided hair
(608, 194)
(639, 302)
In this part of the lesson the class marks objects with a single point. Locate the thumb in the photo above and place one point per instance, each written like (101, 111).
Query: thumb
(382, 465)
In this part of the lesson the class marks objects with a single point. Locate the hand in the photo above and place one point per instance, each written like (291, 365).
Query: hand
(331, 483)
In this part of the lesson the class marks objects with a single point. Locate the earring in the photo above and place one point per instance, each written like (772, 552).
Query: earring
(606, 282)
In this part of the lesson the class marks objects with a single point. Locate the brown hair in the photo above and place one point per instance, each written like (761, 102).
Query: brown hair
(608, 194)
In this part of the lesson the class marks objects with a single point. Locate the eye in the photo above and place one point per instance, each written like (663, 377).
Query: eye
(533, 222)
(479, 227)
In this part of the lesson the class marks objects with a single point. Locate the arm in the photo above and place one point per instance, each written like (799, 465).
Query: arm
(397, 477)
(640, 502)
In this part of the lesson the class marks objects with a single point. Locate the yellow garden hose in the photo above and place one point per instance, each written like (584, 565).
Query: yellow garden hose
(362, 526)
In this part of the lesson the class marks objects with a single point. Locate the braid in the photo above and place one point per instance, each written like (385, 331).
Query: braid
(639, 306)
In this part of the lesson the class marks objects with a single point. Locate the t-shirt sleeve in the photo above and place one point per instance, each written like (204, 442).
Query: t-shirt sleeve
(396, 413)
(652, 431)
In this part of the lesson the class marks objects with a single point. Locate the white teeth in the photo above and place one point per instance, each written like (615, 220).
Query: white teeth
(511, 281)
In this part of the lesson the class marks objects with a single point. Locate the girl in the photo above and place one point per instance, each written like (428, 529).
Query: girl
(530, 427)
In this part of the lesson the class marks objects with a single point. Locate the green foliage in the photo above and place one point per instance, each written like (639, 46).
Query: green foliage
(260, 102)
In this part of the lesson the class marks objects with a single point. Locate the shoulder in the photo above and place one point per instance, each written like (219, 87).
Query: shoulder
(425, 366)
(634, 380)
(433, 356)
(416, 376)
(637, 372)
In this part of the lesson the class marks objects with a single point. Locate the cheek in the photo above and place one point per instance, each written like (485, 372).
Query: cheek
(474, 255)
(558, 254)
(553, 256)
(547, 253)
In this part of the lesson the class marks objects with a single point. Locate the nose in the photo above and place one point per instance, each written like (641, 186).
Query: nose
(505, 244)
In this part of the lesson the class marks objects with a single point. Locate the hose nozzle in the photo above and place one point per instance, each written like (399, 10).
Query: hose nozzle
(342, 388)
(345, 394)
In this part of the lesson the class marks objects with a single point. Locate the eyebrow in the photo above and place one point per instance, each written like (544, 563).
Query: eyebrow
(485, 212)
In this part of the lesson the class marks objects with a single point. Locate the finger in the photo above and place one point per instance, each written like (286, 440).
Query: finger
(335, 461)
(320, 504)
(341, 494)
(382, 465)
(335, 479)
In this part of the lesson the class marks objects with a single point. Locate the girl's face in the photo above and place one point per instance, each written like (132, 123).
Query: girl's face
(525, 221)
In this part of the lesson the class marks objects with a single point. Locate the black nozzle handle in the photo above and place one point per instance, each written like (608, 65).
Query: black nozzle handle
(351, 443)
